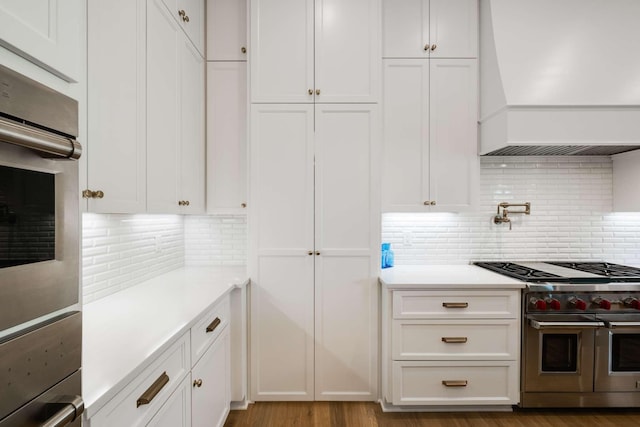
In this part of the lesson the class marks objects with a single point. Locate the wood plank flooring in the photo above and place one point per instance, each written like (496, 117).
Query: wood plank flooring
(369, 414)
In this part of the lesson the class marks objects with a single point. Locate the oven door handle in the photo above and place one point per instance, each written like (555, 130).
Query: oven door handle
(623, 325)
(541, 324)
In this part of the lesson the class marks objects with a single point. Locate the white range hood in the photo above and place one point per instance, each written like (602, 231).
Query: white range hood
(559, 77)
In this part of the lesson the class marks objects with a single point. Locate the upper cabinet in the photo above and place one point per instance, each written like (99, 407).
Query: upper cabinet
(190, 15)
(145, 94)
(430, 28)
(47, 33)
(226, 30)
(324, 51)
(430, 135)
(175, 117)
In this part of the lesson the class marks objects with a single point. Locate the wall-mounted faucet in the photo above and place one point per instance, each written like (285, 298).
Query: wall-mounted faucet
(503, 217)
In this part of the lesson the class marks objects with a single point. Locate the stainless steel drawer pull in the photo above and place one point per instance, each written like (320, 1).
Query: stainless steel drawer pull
(454, 340)
(454, 383)
(152, 391)
(71, 411)
(455, 304)
(213, 325)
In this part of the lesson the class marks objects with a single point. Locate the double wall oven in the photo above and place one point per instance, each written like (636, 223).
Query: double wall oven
(581, 333)
(40, 327)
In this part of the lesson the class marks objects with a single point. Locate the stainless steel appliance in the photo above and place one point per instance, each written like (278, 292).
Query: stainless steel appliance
(581, 333)
(40, 332)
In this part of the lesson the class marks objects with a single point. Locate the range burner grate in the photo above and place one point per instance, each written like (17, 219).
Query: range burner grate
(518, 271)
(602, 269)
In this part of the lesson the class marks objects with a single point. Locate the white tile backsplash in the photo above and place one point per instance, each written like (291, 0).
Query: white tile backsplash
(216, 240)
(119, 251)
(571, 199)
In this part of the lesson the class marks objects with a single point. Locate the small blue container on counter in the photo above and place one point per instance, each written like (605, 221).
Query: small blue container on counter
(387, 256)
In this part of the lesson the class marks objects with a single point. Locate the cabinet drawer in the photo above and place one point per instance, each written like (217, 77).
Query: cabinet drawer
(455, 340)
(455, 304)
(127, 408)
(208, 328)
(455, 383)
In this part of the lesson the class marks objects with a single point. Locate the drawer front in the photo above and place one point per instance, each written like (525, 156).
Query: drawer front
(127, 408)
(455, 383)
(208, 328)
(456, 304)
(455, 340)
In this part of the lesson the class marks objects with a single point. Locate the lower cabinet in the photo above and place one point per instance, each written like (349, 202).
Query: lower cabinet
(451, 348)
(211, 392)
(176, 412)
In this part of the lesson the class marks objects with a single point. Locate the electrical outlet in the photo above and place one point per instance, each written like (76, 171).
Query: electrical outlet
(407, 238)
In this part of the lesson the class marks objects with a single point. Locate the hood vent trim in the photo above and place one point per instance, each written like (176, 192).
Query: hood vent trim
(562, 150)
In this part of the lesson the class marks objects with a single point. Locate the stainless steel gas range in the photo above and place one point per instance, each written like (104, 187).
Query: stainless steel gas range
(580, 333)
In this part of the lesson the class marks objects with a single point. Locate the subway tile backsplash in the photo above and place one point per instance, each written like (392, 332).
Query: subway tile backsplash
(215, 240)
(571, 199)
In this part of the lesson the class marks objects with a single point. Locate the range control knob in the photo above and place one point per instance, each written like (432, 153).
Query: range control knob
(633, 303)
(553, 303)
(578, 303)
(602, 303)
(539, 303)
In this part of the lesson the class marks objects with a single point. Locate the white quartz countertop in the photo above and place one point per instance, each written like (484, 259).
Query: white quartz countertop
(454, 276)
(124, 332)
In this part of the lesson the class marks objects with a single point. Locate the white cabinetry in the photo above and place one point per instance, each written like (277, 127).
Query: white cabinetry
(212, 384)
(430, 28)
(227, 30)
(430, 135)
(146, 110)
(116, 81)
(451, 347)
(176, 412)
(322, 51)
(319, 225)
(175, 117)
(47, 33)
(190, 16)
(626, 175)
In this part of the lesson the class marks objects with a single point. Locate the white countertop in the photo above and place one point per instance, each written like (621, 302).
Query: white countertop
(124, 332)
(454, 276)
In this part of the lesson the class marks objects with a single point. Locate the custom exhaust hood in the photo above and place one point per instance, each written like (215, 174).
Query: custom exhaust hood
(559, 77)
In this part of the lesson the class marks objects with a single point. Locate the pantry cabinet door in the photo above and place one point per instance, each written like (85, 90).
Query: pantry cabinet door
(282, 51)
(454, 162)
(47, 33)
(405, 183)
(405, 28)
(346, 193)
(282, 317)
(347, 51)
(453, 28)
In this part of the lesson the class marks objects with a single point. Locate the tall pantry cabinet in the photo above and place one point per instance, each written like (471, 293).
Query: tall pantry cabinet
(314, 199)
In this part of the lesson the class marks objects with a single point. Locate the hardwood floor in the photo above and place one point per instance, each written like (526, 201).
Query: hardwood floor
(355, 414)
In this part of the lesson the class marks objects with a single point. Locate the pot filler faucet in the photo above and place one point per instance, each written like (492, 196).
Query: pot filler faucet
(503, 217)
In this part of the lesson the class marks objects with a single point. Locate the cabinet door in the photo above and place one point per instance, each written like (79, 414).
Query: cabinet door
(226, 30)
(47, 33)
(176, 411)
(347, 51)
(282, 50)
(282, 317)
(405, 28)
(211, 392)
(193, 21)
(226, 137)
(405, 183)
(164, 43)
(454, 163)
(454, 28)
(626, 175)
(192, 122)
(346, 223)
(116, 97)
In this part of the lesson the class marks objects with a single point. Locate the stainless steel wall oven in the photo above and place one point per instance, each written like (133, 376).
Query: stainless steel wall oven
(40, 332)
(581, 333)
